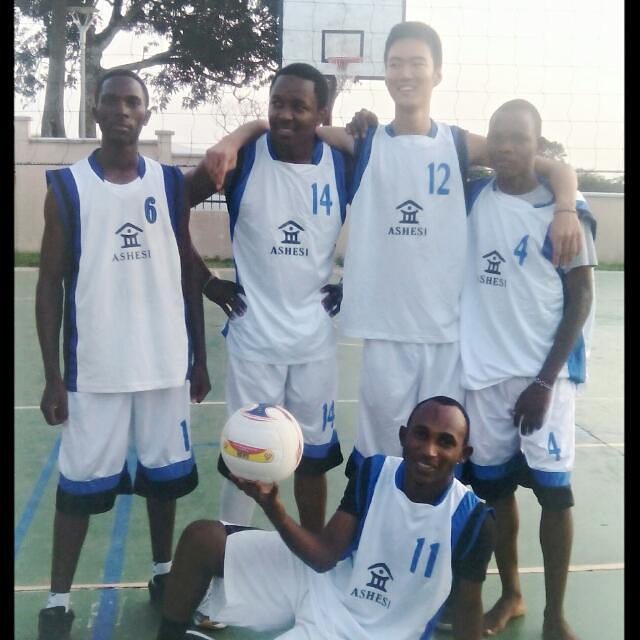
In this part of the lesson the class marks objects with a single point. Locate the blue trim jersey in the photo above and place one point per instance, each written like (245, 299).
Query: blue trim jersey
(285, 219)
(398, 573)
(513, 297)
(125, 325)
(404, 264)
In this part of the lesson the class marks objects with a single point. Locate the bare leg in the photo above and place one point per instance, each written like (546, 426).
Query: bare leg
(510, 604)
(311, 498)
(199, 557)
(69, 532)
(162, 515)
(556, 537)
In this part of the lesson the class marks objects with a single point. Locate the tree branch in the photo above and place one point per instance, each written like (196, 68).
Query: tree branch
(159, 58)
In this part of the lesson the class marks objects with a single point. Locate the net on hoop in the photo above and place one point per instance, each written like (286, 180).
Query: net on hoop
(344, 79)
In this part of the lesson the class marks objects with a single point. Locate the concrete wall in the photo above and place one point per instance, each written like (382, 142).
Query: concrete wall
(209, 223)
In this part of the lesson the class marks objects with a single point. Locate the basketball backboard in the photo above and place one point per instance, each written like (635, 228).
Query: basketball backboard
(320, 31)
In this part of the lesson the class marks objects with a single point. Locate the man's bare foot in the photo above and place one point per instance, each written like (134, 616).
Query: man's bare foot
(557, 630)
(506, 608)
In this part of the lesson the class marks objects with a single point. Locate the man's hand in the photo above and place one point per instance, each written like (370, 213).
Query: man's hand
(54, 405)
(565, 236)
(332, 301)
(531, 408)
(200, 383)
(219, 160)
(264, 493)
(361, 122)
(226, 295)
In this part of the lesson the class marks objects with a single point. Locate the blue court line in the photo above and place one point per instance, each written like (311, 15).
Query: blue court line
(34, 499)
(105, 619)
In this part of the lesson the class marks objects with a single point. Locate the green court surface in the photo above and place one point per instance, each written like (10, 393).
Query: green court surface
(110, 598)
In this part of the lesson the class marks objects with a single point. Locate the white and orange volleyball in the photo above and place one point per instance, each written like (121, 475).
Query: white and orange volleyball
(261, 442)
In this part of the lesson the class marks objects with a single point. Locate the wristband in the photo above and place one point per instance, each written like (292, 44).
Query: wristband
(211, 277)
(543, 383)
(563, 210)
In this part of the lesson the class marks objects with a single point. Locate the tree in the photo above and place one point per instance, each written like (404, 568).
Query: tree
(209, 43)
(552, 149)
(596, 182)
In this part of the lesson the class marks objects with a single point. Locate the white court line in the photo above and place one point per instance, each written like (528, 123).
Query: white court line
(576, 568)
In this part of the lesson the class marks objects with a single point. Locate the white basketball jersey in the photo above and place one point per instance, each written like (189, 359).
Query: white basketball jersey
(395, 581)
(285, 219)
(125, 326)
(513, 296)
(404, 263)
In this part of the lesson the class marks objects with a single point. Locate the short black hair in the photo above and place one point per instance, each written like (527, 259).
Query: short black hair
(307, 72)
(521, 105)
(112, 73)
(418, 31)
(447, 402)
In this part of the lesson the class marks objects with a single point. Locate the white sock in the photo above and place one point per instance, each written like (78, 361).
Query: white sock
(160, 568)
(235, 505)
(58, 600)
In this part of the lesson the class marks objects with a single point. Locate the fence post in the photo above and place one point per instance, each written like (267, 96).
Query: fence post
(21, 130)
(165, 154)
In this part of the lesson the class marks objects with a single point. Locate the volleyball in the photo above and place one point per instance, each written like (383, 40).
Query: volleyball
(261, 442)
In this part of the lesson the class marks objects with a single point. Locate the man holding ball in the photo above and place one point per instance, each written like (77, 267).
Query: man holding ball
(347, 582)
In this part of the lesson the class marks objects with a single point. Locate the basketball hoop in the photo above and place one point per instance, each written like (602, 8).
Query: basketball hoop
(344, 80)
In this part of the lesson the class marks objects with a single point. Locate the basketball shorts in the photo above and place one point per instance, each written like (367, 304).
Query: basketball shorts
(307, 390)
(95, 440)
(500, 452)
(394, 377)
(265, 587)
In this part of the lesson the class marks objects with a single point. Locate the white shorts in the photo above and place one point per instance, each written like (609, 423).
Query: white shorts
(307, 390)
(549, 452)
(95, 440)
(394, 377)
(265, 587)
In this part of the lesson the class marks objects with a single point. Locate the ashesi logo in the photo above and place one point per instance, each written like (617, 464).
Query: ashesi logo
(408, 225)
(380, 575)
(494, 261)
(291, 231)
(129, 233)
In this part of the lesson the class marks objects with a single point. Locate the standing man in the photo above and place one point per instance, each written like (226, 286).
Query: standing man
(286, 200)
(116, 262)
(523, 353)
(380, 569)
(406, 251)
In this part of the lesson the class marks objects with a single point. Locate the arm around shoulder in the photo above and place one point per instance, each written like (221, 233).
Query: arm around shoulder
(220, 160)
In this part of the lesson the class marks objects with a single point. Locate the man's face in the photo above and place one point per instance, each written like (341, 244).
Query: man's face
(293, 110)
(410, 74)
(512, 143)
(432, 444)
(121, 111)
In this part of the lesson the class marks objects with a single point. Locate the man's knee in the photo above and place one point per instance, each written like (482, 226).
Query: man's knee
(205, 540)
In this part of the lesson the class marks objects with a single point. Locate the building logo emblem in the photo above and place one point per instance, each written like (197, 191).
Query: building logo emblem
(131, 244)
(408, 225)
(129, 234)
(494, 259)
(291, 232)
(494, 262)
(380, 575)
(290, 229)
